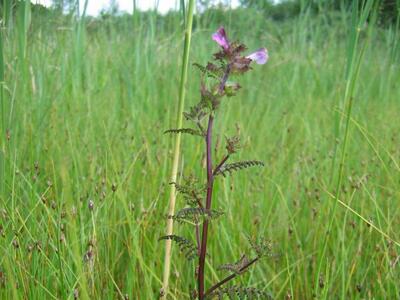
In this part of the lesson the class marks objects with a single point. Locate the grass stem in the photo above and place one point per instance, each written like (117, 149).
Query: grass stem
(175, 163)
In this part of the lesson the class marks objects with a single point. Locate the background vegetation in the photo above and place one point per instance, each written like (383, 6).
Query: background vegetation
(84, 164)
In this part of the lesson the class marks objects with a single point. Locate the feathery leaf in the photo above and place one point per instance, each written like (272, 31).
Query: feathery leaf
(236, 166)
(190, 131)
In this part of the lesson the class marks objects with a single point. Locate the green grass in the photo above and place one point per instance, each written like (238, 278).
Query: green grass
(85, 105)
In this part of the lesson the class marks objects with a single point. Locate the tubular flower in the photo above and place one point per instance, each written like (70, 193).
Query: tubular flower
(221, 39)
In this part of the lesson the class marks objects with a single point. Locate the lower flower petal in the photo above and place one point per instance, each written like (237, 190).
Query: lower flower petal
(260, 56)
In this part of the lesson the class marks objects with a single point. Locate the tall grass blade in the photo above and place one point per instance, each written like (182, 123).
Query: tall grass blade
(175, 163)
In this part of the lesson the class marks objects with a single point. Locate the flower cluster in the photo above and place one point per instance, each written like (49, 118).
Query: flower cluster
(231, 51)
(228, 61)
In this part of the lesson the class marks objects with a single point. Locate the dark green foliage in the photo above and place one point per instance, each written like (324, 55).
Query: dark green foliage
(196, 214)
(185, 246)
(239, 292)
(229, 168)
(190, 131)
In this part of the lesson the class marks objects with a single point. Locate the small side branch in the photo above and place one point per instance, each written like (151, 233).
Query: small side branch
(218, 168)
(230, 277)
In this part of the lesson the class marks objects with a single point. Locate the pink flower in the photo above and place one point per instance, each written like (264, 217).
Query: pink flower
(260, 56)
(221, 39)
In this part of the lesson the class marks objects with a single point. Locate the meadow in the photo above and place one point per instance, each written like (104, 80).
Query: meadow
(85, 164)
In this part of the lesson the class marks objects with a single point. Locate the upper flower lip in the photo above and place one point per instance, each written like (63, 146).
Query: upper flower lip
(221, 38)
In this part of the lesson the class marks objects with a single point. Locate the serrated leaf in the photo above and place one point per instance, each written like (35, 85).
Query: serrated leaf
(237, 166)
(185, 246)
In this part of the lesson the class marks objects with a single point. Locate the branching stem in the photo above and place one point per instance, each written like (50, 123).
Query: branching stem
(230, 277)
(217, 168)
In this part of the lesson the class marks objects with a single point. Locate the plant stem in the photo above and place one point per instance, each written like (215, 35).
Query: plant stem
(210, 183)
(230, 277)
(175, 163)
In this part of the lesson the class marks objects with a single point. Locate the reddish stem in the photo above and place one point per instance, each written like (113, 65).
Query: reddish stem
(210, 181)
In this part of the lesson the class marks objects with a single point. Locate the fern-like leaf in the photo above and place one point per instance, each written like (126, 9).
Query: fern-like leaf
(185, 246)
(237, 166)
(239, 292)
(190, 131)
(195, 215)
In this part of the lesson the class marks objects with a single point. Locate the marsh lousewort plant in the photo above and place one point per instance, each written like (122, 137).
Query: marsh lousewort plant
(215, 87)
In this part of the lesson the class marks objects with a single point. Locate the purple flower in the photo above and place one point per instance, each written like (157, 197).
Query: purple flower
(221, 39)
(260, 56)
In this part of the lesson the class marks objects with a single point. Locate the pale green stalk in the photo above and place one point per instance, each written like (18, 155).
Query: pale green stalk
(175, 163)
(2, 115)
